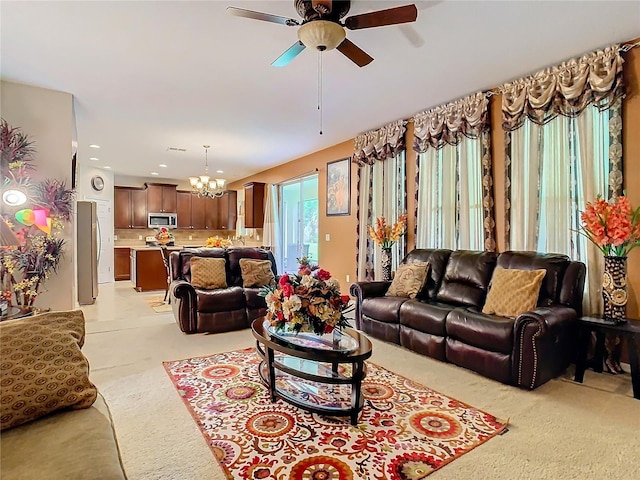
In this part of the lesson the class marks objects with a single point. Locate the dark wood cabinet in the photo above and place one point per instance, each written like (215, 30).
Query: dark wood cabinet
(148, 270)
(198, 212)
(130, 207)
(211, 212)
(254, 205)
(183, 209)
(161, 198)
(122, 263)
(228, 208)
(221, 212)
(191, 210)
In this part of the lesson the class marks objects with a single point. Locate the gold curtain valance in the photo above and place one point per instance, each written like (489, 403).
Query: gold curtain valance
(448, 124)
(566, 89)
(380, 144)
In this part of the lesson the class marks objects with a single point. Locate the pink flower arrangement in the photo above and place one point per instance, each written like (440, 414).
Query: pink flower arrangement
(164, 236)
(309, 301)
(612, 226)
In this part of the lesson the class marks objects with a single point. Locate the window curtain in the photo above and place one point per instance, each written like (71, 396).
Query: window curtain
(454, 181)
(382, 181)
(563, 139)
(271, 229)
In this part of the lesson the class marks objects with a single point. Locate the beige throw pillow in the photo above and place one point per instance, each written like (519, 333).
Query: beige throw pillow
(208, 273)
(513, 291)
(256, 273)
(42, 367)
(408, 280)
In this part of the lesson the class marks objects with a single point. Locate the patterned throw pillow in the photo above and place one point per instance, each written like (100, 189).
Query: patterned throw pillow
(208, 273)
(256, 273)
(409, 280)
(42, 367)
(513, 291)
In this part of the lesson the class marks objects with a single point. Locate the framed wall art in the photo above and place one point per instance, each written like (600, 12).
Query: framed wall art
(339, 187)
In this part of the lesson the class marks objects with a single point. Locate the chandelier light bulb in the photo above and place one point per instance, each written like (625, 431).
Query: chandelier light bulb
(204, 185)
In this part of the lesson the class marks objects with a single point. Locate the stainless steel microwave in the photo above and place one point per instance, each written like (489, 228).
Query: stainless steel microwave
(157, 220)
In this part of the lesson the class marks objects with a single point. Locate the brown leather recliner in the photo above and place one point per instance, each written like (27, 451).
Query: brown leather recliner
(445, 320)
(198, 310)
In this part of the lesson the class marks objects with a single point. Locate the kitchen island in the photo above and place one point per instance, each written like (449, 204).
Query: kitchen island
(147, 268)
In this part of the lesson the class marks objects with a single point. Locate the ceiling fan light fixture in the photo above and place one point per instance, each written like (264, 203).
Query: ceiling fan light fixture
(321, 34)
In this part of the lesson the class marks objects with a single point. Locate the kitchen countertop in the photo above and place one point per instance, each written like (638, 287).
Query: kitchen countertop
(155, 247)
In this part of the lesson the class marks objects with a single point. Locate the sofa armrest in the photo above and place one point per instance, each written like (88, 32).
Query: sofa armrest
(544, 344)
(185, 303)
(362, 290)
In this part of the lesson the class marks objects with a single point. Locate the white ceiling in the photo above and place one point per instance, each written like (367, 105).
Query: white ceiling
(150, 75)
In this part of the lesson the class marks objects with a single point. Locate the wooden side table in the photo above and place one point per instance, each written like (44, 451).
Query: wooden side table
(629, 330)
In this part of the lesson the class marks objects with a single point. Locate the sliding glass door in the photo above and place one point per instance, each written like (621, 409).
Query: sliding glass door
(299, 222)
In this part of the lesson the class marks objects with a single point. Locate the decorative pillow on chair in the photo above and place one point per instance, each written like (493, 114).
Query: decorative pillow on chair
(409, 280)
(256, 273)
(513, 291)
(208, 273)
(43, 369)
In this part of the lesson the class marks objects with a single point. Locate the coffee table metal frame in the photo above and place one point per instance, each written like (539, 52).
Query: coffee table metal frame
(267, 345)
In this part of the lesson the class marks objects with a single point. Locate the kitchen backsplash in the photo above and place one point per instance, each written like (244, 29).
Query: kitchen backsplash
(136, 237)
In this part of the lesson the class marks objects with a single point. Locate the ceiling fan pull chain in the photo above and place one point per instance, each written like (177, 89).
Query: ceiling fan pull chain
(320, 87)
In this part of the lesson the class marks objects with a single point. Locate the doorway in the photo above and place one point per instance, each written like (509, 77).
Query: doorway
(299, 222)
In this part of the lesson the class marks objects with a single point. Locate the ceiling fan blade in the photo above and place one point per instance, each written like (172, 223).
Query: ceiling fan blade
(354, 53)
(291, 53)
(267, 17)
(390, 16)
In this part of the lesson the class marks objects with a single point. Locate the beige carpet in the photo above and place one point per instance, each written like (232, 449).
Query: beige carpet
(561, 430)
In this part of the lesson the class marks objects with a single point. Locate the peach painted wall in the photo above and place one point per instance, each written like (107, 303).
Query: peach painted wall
(338, 255)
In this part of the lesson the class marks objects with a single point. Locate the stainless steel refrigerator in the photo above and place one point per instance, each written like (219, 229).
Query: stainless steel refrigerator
(87, 247)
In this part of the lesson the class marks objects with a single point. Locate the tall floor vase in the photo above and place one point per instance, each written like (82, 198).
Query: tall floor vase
(614, 289)
(386, 264)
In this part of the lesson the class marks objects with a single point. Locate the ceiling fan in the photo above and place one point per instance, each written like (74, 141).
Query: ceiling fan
(321, 27)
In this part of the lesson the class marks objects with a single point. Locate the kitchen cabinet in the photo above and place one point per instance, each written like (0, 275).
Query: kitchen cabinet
(147, 268)
(122, 263)
(161, 198)
(254, 205)
(130, 207)
(221, 212)
(190, 210)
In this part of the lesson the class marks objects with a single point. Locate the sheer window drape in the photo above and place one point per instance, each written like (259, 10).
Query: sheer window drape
(454, 201)
(450, 213)
(271, 231)
(563, 129)
(382, 191)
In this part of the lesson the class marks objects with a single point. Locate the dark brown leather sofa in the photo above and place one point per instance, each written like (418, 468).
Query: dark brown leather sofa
(219, 310)
(445, 320)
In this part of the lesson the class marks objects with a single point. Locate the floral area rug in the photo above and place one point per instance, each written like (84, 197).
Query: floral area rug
(405, 430)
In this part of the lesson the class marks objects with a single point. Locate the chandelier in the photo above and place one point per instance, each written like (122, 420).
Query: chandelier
(204, 185)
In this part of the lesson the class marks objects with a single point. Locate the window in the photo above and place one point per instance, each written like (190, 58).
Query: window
(450, 212)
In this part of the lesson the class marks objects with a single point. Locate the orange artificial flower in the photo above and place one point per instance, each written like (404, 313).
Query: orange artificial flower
(386, 235)
(612, 226)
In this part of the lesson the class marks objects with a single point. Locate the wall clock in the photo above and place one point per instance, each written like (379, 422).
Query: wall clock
(97, 182)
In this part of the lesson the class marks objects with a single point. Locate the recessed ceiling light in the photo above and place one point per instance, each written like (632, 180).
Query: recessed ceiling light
(93, 145)
(219, 171)
(107, 167)
(155, 173)
(162, 165)
(94, 158)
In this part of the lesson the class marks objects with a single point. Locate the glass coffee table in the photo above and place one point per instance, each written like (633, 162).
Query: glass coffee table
(312, 372)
